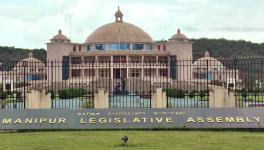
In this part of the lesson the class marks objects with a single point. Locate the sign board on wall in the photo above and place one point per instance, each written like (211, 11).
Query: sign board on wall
(132, 118)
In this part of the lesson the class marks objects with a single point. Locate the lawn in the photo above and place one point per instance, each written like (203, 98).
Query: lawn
(152, 140)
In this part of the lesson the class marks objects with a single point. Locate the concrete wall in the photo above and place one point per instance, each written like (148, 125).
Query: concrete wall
(101, 99)
(38, 100)
(221, 98)
(159, 99)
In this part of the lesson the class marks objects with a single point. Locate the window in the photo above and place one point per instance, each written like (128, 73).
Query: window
(164, 47)
(89, 47)
(74, 48)
(135, 59)
(163, 59)
(163, 72)
(76, 73)
(89, 59)
(100, 47)
(121, 46)
(80, 48)
(76, 60)
(119, 59)
(104, 59)
(138, 46)
(149, 47)
(89, 72)
(159, 47)
(134, 73)
(104, 73)
(150, 59)
(149, 72)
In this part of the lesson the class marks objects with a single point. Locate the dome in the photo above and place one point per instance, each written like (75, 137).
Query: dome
(119, 31)
(60, 38)
(213, 63)
(30, 62)
(179, 36)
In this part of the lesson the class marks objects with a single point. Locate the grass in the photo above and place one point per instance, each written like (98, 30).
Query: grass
(152, 140)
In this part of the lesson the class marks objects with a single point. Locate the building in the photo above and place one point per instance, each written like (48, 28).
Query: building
(209, 69)
(118, 50)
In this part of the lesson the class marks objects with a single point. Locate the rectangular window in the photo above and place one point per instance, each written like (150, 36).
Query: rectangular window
(134, 73)
(121, 46)
(100, 47)
(149, 47)
(76, 60)
(104, 73)
(159, 47)
(89, 47)
(138, 46)
(164, 47)
(80, 48)
(74, 48)
(149, 72)
(89, 72)
(76, 73)
(163, 72)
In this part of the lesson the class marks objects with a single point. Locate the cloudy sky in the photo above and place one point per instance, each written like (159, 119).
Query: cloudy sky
(31, 23)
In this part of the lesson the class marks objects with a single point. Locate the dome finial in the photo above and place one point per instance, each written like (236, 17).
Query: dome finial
(207, 54)
(119, 15)
(178, 31)
(30, 55)
(60, 32)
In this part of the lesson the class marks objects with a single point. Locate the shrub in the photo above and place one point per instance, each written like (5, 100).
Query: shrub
(192, 94)
(172, 92)
(202, 94)
(71, 93)
(3, 95)
(244, 93)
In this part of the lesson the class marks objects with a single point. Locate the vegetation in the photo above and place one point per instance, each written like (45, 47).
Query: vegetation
(172, 92)
(148, 140)
(226, 48)
(72, 93)
(10, 55)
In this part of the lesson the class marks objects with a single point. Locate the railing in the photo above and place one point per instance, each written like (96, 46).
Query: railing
(130, 85)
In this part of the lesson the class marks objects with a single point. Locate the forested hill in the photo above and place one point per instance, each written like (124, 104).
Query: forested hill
(216, 47)
(17, 54)
(226, 48)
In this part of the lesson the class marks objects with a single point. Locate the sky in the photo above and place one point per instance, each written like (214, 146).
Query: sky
(32, 23)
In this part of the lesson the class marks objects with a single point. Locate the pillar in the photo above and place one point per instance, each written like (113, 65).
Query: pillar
(220, 97)
(38, 100)
(159, 99)
(101, 99)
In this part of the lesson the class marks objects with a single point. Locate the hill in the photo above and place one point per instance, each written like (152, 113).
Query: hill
(226, 48)
(17, 54)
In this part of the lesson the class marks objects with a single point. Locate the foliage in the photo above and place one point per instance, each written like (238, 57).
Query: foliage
(10, 55)
(192, 94)
(3, 95)
(72, 93)
(244, 93)
(226, 48)
(172, 92)
(202, 94)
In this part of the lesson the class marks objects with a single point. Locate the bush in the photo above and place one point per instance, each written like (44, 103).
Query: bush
(244, 93)
(172, 92)
(202, 94)
(192, 94)
(3, 95)
(71, 93)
